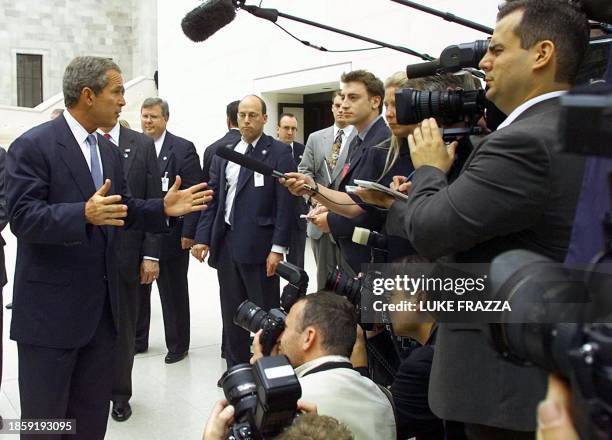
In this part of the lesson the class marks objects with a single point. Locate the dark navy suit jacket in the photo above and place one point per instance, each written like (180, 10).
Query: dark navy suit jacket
(231, 138)
(65, 267)
(179, 156)
(341, 227)
(262, 215)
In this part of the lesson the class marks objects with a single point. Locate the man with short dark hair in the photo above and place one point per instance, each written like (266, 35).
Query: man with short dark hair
(246, 227)
(362, 100)
(176, 157)
(230, 138)
(65, 191)
(286, 131)
(514, 192)
(320, 331)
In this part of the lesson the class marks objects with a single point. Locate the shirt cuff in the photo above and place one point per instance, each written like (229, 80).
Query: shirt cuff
(279, 249)
(150, 258)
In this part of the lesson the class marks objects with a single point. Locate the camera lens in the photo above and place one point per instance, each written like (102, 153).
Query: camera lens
(249, 316)
(348, 287)
(413, 106)
(240, 390)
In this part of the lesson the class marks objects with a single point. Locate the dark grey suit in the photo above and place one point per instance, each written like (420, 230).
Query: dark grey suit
(3, 223)
(514, 193)
(141, 172)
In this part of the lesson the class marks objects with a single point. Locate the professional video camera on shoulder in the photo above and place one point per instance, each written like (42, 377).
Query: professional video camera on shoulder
(264, 396)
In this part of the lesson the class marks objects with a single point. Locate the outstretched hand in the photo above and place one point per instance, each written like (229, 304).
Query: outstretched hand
(185, 201)
(295, 183)
(101, 209)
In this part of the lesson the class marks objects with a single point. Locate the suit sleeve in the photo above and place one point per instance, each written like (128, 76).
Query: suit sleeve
(151, 244)
(206, 162)
(207, 217)
(503, 190)
(307, 165)
(28, 184)
(191, 174)
(285, 201)
(3, 211)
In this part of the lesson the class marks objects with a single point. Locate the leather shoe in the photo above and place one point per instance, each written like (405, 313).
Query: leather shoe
(9, 306)
(171, 358)
(121, 411)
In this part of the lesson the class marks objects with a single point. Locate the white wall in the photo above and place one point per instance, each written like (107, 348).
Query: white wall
(251, 55)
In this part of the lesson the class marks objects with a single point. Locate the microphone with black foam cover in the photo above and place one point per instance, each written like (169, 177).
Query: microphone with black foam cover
(208, 18)
(248, 162)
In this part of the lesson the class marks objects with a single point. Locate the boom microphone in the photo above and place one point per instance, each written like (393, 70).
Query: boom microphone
(248, 162)
(208, 18)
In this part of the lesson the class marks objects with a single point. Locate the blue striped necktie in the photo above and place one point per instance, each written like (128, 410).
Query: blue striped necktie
(96, 169)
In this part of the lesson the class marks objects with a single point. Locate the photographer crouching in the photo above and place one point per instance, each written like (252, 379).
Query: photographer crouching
(319, 334)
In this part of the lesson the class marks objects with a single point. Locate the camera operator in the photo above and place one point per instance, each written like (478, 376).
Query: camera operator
(514, 192)
(382, 161)
(319, 335)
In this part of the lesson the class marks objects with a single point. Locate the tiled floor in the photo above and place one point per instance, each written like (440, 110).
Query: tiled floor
(170, 402)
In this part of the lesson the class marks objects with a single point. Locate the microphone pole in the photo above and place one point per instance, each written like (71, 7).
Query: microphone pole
(447, 16)
(273, 14)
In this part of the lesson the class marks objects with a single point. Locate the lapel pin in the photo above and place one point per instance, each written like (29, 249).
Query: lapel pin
(165, 158)
(264, 152)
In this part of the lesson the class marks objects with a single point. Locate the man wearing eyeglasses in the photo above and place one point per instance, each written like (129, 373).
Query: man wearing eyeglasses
(246, 228)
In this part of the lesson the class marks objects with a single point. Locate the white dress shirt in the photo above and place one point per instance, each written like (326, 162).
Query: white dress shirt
(114, 134)
(232, 172)
(80, 134)
(159, 142)
(527, 104)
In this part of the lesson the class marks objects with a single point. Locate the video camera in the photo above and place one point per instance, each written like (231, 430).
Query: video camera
(264, 396)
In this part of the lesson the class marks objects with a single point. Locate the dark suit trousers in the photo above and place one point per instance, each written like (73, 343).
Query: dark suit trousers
(174, 296)
(129, 302)
(327, 257)
(239, 282)
(297, 247)
(57, 383)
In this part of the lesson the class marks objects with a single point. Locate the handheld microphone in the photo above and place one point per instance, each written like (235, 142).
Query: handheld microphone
(374, 239)
(208, 18)
(251, 164)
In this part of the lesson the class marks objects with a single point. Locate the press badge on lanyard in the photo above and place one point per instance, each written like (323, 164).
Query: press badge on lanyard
(259, 179)
(165, 181)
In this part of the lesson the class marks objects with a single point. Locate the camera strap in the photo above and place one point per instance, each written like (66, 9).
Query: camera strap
(329, 366)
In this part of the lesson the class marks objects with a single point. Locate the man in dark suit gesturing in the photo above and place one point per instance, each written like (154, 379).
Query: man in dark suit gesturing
(230, 138)
(65, 291)
(176, 156)
(514, 192)
(138, 255)
(286, 131)
(246, 228)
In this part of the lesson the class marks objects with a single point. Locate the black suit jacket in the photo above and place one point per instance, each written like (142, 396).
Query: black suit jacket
(141, 172)
(260, 213)
(341, 227)
(229, 139)
(65, 268)
(178, 156)
(514, 192)
(3, 216)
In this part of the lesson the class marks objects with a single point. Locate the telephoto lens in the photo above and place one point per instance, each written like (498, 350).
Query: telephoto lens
(344, 285)
(413, 106)
(252, 318)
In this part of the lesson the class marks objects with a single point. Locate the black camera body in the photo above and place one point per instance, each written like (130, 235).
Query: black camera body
(561, 321)
(264, 396)
(253, 318)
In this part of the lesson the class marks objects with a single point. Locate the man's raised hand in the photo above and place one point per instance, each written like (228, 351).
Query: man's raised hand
(180, 202)
(101, 209)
